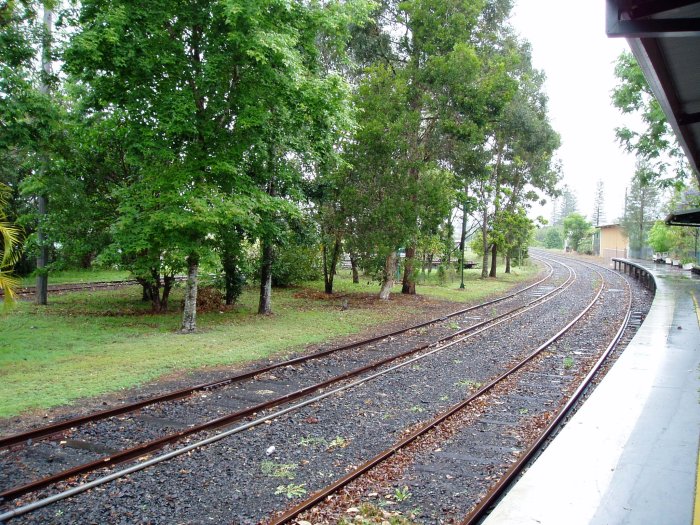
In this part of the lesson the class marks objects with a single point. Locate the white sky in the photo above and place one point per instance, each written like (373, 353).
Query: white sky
(570, 45)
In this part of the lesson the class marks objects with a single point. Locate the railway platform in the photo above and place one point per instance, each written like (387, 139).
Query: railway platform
(630, 453)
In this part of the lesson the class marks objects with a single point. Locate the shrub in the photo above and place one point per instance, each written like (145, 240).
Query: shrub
(295, 264)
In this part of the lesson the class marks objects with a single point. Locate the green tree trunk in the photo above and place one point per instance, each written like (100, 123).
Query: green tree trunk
(485, 245)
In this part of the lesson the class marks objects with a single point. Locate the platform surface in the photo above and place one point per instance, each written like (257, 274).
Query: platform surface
(630, 454)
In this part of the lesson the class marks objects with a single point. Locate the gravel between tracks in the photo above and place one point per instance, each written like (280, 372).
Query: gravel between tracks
(240, 480)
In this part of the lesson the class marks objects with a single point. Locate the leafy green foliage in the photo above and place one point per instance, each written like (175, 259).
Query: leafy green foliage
(279, 470)
(660, 237)
(291, 491)
(576, 227)
(641, 207)
(655, 143)
(553, 238)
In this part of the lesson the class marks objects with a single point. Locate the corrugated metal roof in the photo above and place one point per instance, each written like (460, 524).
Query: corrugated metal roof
(664, 36)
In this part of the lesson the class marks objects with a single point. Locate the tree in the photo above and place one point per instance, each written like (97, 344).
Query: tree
(576, 227)
(598, 216)
(566, 205)
(660, 237)
(641, 208)
(217, 99)
(522, 143)
(655, 143)
(28, 116)
(553, 238)
(431, 68)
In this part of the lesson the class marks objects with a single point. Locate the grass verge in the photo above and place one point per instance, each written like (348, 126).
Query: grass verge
(90, 343)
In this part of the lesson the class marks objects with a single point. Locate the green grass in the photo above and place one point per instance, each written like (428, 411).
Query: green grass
(428, 284)
(79, 276)
(90, 343)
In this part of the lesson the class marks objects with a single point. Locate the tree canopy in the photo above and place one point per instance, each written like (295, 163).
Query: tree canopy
(240, 135)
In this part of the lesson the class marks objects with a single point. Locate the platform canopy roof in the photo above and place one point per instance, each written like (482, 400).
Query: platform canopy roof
(664, 36)
(684, 218)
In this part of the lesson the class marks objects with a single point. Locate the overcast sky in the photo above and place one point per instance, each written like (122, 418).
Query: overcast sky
(569, 44)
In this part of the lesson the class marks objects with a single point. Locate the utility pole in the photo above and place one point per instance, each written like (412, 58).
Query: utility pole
(42, 279)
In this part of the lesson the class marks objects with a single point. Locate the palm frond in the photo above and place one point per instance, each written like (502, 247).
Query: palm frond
(8, 284)
(10, 239)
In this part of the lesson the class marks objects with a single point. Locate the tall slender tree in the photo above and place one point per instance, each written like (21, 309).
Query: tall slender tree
(641, 208)
(598, 215)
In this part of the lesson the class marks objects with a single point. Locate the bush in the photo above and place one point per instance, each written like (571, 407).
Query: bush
(295, 264)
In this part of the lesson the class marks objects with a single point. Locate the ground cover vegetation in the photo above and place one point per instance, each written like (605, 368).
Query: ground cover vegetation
(111, 341)
(266, 141)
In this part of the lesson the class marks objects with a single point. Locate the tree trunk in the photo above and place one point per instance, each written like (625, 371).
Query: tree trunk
(355, 273)
(265, 305)
(485, 245)
(388, 276)
(168, 281)
(507, 262)
(152, 291)
(431, 257)
(494, 260)
(329, 267)
(230, 281)
(233, 280)
(146, 294)
(189, 314)
(42, 278)
(409, 283)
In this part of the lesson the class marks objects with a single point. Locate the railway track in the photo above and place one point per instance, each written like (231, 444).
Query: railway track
(64, 432)
(509, 389)
(28, 291)
(530, 300)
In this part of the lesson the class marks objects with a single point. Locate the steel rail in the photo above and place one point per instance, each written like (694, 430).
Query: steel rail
(75, 287)
(55, 428)
(504, 482)
(143, 448)
(147, 447)
(495, 492)
(86, 486)
(322, 494)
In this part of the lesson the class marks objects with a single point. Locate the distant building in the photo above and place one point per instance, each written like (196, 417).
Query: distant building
(613, 241)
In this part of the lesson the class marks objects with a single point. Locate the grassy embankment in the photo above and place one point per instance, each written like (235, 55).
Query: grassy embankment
(91, 343)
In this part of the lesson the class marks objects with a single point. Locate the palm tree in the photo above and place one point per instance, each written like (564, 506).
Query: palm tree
(9, 252)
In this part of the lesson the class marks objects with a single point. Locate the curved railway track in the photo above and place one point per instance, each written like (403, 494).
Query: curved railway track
(27, 439)
(434, 424)
(536, 296)
(67, 424)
